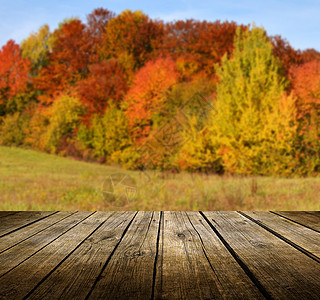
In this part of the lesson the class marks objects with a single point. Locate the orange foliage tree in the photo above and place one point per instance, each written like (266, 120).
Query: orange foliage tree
(146, 96)
(131, 37)
(13, 73)
(68, 61)
(106, 81)
(306, 86)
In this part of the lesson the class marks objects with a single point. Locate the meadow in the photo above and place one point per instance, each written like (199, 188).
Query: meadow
(31, 180)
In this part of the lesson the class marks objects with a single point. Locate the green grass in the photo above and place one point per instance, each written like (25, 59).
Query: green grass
(31, 180)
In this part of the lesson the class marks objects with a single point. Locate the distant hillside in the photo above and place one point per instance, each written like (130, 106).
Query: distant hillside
(31, 180)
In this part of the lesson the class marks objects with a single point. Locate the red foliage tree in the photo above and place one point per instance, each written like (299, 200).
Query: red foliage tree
(198, 45)
(68, 61)
(97, 22)
(14, 71)
(106, 81)
(309, 55)
(287, 55)
(146, 95)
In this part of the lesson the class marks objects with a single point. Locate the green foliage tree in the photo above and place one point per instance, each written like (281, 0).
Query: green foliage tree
(11, 129)
(37, 46)
(35, 132)
(151, 70)
(110, 133)
(65, 115)
(185, 111)
(253, 122)
(197, 152)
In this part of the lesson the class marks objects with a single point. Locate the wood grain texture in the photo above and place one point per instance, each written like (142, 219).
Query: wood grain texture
(26, 232)
(184, 270)
(302, 236)
(159, 255)
(24, 278)
(13, 222)
(6, 213)
(21, 252)
(129, 273)
(304, 218)
(233, 281)
(283, 271)
(316, 213)
(74, 278)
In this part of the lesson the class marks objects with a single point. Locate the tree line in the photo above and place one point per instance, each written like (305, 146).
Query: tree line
(105, 89)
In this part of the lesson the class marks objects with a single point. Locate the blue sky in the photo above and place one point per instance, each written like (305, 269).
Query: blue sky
(296, 20)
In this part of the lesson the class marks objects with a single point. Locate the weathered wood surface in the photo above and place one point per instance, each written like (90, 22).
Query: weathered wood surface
(159, 255)
(280, 269)
(7, 213)
(12, 222)
(76, 276)
(194, 263)
(27, 232)
(302, 217)
(300, 237)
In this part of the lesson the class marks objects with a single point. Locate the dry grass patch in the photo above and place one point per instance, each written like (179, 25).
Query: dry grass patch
(31, 180)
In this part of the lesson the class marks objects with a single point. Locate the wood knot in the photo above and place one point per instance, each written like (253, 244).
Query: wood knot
(107, 237)
(181, 235)
(135, 254)
(258, 244)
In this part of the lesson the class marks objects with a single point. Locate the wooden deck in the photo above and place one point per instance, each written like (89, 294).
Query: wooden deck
(159, 255)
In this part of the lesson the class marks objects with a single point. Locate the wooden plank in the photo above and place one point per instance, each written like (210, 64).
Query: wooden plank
(74, 278)
(24, 233)
(129, 273)
(24, 278)
(6, 213)
(283, 271)
(316, 213)
(183, 270)
(19, 253)
(234, 283)
(299, 235)
(21, 219)
(303, 218)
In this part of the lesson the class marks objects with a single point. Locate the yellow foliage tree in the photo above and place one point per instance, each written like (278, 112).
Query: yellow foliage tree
(253, 125)
(64, 118)
(110, 132)
(37, 46)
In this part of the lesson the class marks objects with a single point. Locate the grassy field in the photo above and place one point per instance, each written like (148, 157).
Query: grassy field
(31, 180)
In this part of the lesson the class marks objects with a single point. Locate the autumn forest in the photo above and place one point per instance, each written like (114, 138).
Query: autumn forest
(200, 96)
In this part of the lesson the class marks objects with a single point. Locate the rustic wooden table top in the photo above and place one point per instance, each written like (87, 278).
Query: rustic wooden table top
(159, 255)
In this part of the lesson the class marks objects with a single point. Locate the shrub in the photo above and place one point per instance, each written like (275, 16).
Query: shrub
(11, 129)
